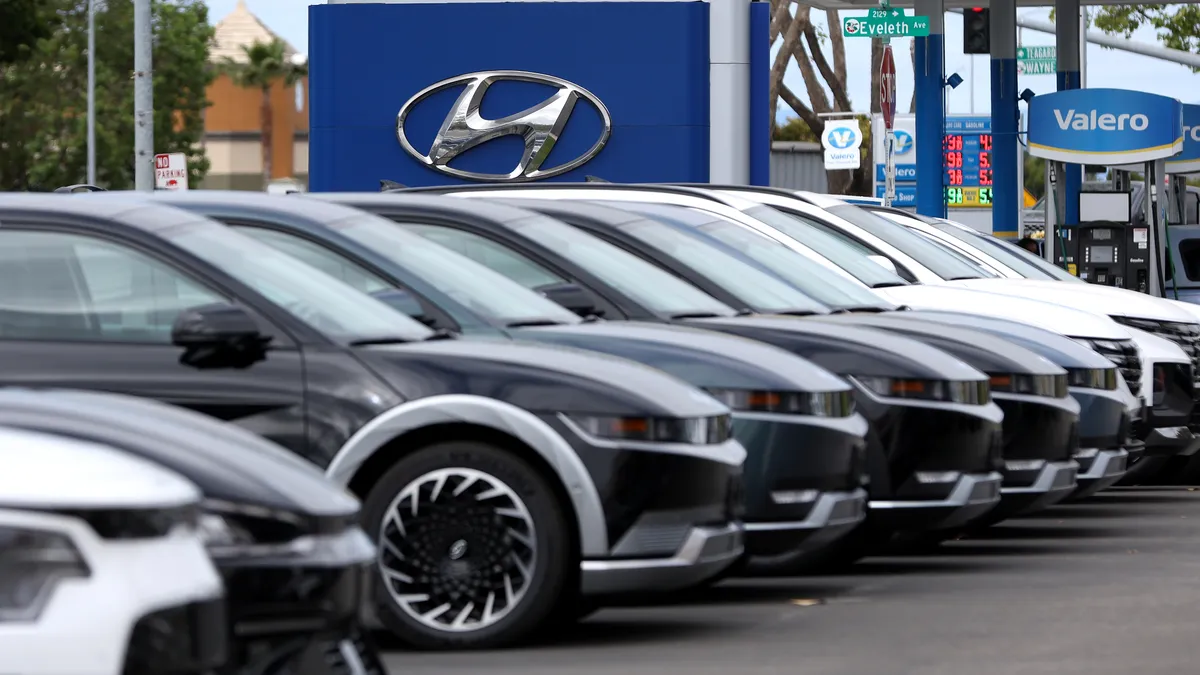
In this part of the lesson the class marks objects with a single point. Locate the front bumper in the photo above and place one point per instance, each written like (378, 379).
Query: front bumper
(1098, 469)
(803, 480)
(926, 505)
(832, 515)
(705, 553)
(1031, 485)
(280, 605)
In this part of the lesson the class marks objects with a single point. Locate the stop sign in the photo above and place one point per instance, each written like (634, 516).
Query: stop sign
(887, 87)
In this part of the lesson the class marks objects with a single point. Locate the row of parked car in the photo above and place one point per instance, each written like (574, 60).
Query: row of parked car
(527, 402)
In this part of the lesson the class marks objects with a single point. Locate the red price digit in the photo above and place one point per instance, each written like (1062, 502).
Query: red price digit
(985, 176)
(956, 176)
(985, 160)
(985, 142)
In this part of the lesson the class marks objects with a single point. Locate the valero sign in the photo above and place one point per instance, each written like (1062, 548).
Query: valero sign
(842, 140)
(1188, 161)
(1105, 126)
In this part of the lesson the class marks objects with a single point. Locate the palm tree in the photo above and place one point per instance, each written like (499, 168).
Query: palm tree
(265, 64)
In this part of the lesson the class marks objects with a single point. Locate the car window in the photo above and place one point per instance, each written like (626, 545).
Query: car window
(60, 286)
(490, 254)
(319, 257)
(649, 286)
(940, 260)
(480, 288)
(761, 291)
(324, 303)
(836, 247)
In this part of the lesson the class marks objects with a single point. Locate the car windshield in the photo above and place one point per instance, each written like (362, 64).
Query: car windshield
(1024, 262)
(470, 283)
(943, 262)
(320, 300)
(850, 257)
(653, 288)
(760, 290)
(998, 253)
(813, 278)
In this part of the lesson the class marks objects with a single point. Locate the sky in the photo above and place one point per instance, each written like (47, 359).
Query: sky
(1105, 67)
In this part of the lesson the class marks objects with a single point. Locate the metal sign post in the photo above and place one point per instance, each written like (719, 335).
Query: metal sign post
(887, 104)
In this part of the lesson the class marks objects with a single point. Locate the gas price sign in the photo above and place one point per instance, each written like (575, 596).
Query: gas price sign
(967, 162)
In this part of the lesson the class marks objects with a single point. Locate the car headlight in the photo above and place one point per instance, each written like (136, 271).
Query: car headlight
(969, 392)
(1093, 378)
(232, 530)
(1050, 386)
(692, 431)
(818, 404)
(32, 564)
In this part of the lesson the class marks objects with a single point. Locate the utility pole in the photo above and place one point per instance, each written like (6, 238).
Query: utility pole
(91, 94)
(143, 95)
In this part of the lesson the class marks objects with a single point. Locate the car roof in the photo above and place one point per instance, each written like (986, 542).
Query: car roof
(433, 203)
(131, 212)
(602, 213)
(244, 202)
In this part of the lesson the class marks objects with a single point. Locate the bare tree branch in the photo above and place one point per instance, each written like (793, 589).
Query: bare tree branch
(876, 62)
(782, 57)
(836, 87)
(781, 17)
(816, 93)
(912, 56)
(816, 124)
(837, 44)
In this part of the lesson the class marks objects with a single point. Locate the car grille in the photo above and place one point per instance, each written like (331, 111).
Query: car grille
(735, 498)
(1123, 354)
(1187, 336)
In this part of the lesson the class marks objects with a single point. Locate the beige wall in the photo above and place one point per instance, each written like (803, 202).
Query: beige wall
(232, 123)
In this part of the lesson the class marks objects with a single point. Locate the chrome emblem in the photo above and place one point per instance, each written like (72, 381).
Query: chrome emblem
(540, 126)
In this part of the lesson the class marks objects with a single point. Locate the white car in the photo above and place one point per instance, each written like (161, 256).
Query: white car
(102, 571)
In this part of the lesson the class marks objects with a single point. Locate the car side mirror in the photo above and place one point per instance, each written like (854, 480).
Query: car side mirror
(884, 262)
(571, 296)
(404, 302)
(219, 335)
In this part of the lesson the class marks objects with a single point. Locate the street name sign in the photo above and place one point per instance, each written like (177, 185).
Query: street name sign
(885, 23)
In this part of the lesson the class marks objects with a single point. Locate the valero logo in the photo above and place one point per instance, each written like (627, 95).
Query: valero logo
(904, 142)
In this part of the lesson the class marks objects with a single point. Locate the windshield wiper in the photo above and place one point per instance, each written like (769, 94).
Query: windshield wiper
(796, 312)
(529, 323)
(695, 315)
(874, 309)
(439, 334)
(962, 278)
(889, 284)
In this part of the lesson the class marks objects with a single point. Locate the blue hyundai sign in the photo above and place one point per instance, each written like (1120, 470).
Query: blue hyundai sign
(508, 91)
(1104, 126)
(1188, 161)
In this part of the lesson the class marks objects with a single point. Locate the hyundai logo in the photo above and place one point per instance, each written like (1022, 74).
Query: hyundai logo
(540, 126)
(904, 141)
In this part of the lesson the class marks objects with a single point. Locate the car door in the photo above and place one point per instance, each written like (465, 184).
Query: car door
(83, 310)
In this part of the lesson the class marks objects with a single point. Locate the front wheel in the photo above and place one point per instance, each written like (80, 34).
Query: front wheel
(473, 547)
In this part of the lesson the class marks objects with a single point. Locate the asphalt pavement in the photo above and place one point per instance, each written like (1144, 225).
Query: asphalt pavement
(1108, 586)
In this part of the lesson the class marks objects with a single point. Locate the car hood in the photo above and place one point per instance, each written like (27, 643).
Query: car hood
(706, 359)
(1193, 310)
(848, 350)
(537, 377)
(982, 350)
(1057, 318)
(224, 461)
(1095, 298)
(1062, 351)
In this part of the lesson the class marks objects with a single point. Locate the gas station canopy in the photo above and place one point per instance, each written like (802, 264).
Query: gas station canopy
(950, 4)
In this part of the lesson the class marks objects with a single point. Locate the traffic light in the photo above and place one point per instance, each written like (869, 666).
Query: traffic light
(977, 30)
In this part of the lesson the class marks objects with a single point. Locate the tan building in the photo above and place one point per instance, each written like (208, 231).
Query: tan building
(232, 123)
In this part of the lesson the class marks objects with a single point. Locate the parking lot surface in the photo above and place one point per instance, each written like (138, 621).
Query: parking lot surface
(1107, 586)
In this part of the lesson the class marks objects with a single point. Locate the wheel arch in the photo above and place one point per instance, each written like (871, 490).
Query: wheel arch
(381, 442)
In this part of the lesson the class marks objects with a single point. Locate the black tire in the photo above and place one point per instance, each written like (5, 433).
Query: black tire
(437, 546)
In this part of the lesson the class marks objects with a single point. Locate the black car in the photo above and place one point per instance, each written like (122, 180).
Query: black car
(286, 540)
(932, 462)
(796, 500)
(500, 481)
(1040, 418)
